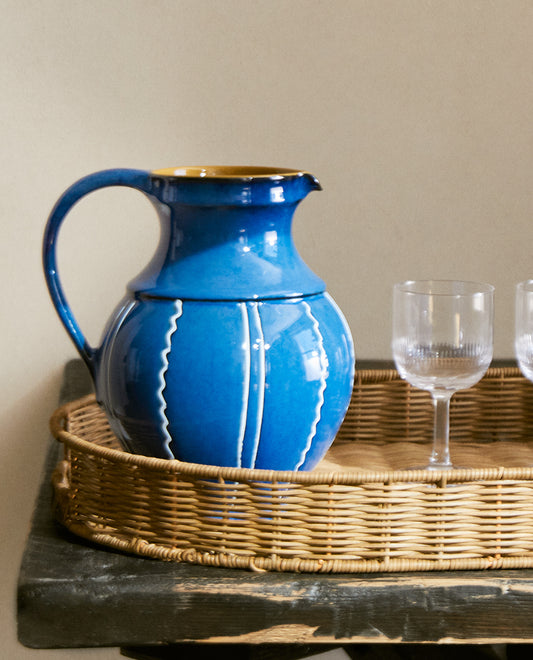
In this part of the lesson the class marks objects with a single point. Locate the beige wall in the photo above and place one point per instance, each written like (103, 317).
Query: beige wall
(416, 115)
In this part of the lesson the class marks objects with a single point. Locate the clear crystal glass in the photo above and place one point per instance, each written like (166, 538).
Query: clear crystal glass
(524, 327)
(442, 342)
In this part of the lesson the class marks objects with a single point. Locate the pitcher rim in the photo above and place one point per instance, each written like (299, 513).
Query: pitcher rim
(242, 172)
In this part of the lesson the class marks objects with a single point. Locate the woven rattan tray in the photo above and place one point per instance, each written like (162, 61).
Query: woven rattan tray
(360, 510)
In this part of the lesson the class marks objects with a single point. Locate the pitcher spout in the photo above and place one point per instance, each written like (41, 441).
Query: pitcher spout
(314, 183)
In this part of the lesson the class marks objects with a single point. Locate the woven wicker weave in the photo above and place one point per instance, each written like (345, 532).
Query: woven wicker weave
(358, 511)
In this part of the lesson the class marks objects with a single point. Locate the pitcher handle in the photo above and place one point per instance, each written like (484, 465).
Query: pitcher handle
(138, 179)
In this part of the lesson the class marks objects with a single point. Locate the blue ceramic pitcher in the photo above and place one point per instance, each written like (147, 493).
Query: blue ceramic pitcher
(226, 348)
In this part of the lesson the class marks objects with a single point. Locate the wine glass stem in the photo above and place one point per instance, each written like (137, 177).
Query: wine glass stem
(440, 455)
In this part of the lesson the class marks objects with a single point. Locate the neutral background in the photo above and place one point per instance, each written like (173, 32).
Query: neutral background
(417, 117)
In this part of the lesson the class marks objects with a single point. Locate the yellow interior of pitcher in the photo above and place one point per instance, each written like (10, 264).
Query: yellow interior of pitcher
(227, 171)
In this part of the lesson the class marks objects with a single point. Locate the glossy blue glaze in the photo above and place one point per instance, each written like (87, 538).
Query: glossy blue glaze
(226, 349)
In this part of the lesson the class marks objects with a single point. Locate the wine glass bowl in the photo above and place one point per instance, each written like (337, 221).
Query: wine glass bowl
(524, 327)
(442, 342)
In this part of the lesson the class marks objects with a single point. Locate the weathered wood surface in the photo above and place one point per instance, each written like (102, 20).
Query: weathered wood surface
(73, 594)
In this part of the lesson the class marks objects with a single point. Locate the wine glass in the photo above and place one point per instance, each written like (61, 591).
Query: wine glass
(524, 327)
(442, 342)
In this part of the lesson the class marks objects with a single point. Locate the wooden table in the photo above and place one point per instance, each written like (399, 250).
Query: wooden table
(72, 594)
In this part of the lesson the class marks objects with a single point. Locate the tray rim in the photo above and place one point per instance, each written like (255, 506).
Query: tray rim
(348, 477)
